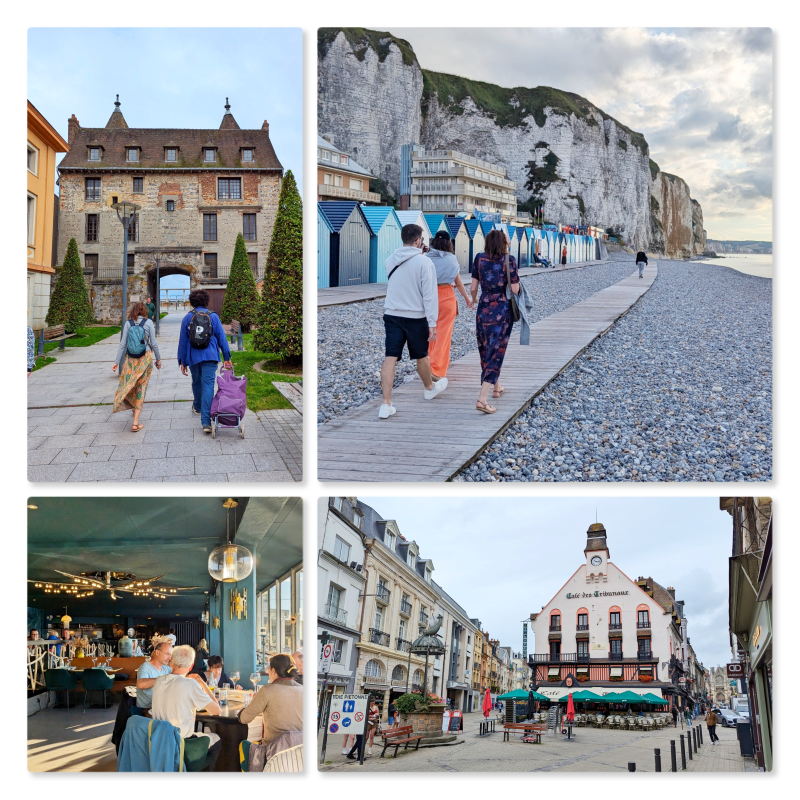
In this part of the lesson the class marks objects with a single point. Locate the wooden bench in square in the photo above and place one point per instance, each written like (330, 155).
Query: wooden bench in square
(529, 728)
(399, 736)
(56, 333)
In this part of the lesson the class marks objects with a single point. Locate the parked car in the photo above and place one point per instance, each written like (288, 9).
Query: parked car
(730, 719)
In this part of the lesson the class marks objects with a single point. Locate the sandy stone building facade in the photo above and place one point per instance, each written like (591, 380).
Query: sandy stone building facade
(197, 189)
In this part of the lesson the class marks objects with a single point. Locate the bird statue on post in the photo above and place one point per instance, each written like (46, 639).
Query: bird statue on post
(434, 629)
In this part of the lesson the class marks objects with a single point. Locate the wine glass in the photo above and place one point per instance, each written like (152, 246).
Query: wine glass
(235, 676)
(255, 677)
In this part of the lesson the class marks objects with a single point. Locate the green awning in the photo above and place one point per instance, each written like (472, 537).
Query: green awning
(516, 694)
(584, 696)
(654, 699)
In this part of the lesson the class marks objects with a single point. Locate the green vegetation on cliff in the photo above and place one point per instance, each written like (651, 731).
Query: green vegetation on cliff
(361, 39)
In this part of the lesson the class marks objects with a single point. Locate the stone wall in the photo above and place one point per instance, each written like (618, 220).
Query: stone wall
(428, 723)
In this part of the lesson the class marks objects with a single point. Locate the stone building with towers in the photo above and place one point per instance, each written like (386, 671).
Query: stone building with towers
(196, 189)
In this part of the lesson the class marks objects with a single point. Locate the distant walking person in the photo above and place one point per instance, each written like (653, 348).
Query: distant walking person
(411, 310)
(564, 256)
(493, 270)
(674, 717)
(447, 276)
(200, 341)
(151, 309)
(135, 362)
(641, 262)
(711, 724)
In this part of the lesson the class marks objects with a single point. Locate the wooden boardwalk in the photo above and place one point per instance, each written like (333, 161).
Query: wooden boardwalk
(343, 295)
(432, 440)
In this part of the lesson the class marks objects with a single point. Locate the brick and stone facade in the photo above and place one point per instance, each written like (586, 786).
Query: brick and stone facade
(197, 190)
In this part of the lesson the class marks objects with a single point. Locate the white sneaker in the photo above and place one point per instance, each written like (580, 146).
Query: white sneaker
(386, 411)
(369, 751)
(438, 388)
(345, 751)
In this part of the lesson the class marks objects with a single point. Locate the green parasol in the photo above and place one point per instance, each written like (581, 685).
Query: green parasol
(654, 699)
(517, 694)
(584, 696)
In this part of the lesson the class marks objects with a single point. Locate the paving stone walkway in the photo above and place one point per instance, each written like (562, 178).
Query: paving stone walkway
(74, 436)
(592, 750)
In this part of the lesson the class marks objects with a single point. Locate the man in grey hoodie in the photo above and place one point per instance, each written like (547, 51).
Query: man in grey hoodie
(411, 309)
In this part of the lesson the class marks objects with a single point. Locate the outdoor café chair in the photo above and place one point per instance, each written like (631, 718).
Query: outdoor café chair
(60, 680)
(96, 680)
(600, 720)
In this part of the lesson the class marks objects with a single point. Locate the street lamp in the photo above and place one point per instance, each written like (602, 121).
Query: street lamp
(126, 212)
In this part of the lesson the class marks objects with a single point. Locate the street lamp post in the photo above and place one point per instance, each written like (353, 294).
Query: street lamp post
(125, 213)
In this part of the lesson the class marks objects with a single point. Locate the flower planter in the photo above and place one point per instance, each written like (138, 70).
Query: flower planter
(427, 723)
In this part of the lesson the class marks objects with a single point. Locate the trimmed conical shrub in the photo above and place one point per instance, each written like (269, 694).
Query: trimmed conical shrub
(69, 302)
(280, 320)
(241, 295)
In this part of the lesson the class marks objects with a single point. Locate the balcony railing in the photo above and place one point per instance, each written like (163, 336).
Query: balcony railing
(423, 618)
(582, 627)
(345, 193)
(615, 626)
(641, 624)
(462, 172)
(223, 272)
(555, 627)
(405, 608)
(382, 594)
(379, 637)
(107, 273)
(403, 645)
(645, 655)
(455, 155)
(335, 614)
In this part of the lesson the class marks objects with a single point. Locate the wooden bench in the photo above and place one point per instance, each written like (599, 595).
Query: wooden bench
(56, 333)
(235, 333)
(397, 736)
(532, 728)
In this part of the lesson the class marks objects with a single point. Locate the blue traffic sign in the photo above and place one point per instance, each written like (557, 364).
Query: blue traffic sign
(334, 728)
(349, 706)
(345, 723)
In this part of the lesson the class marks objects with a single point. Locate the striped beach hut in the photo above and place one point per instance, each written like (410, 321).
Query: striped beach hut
(415, 218)
(524, 247)
(486, 227)
(349, 242)
(435, 223)
(324, 231)
(476, 239)
(513, 242)
(385, 238)
(460, 236)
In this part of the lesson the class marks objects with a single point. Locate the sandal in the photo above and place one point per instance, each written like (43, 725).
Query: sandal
(485, 407)
(497, 392)
(136, 428)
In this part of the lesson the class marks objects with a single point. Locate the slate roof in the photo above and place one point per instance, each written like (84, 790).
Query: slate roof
(337, 212)
(472, 227)
(351, 166)
(116, 137)
(434, 222)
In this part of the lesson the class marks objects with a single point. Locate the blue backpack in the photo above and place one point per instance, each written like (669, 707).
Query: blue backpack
(137, 339)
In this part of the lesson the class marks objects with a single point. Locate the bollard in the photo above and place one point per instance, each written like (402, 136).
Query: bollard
(700, 728)
(658, 759)
(696, 741)
(689, 745)
(683, 753)
(631, 766)
(672, 755)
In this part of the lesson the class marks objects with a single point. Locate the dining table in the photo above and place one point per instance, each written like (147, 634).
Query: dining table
(230, 731)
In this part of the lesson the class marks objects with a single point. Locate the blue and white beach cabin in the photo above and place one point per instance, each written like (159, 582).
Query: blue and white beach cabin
(435, 223)
(524, 248)
(460, 236)
(324, 231)
(385, 239)
(348, 244)
(415, 218)
(476, 239)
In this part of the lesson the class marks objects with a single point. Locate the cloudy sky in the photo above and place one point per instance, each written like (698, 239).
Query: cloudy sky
(501, 559)
(701, 96)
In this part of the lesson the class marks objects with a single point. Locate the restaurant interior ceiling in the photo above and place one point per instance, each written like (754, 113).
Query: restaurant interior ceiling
(150, 536)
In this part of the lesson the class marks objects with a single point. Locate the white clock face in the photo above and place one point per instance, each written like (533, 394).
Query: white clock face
(596, 561)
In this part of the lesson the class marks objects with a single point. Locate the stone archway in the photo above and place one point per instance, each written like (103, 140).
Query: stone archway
(166, 268)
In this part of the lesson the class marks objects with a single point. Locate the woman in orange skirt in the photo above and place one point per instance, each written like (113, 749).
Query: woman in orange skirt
(447, 277)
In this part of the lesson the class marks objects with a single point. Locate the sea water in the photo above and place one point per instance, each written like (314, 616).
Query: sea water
(756, 264)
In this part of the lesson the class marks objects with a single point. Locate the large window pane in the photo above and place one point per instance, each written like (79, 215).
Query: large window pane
(286, 613)
(273, 619)
(299, 609)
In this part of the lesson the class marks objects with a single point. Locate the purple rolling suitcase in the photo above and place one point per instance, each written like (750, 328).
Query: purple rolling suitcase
(230, 402)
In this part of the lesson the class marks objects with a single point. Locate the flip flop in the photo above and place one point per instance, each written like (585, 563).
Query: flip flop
(137, 428)
(485, 407)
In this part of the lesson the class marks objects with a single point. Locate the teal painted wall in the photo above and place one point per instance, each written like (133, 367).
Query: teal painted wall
(239, 635)
(214, 611)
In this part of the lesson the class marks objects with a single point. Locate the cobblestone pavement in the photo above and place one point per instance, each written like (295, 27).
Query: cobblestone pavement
(74, 436)
(592, 750)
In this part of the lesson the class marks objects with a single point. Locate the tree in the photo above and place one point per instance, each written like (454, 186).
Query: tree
(280, 320)
(241, 295)
(69, 302)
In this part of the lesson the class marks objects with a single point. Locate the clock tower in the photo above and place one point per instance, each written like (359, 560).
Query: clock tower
(596, 553)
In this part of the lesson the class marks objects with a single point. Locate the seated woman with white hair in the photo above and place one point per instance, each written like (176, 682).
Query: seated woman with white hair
(177, 697)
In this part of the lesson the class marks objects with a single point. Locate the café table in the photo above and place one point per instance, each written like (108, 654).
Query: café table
(231, 732)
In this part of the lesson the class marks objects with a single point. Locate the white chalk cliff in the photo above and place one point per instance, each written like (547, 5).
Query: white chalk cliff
(587, 167)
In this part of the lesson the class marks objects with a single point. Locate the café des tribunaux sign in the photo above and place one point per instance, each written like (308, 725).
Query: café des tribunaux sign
(582, 595)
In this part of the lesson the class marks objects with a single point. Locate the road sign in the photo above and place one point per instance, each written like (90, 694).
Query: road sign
(348, 713)
(325, 658)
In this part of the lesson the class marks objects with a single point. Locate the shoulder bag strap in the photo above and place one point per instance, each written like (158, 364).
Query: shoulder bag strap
(508, 272)
(399, 265)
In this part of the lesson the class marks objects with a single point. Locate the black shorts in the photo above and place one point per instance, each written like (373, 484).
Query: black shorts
(401, 331)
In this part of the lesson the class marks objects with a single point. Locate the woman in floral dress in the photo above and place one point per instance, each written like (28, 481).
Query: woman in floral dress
(493, 321)
(135, 372)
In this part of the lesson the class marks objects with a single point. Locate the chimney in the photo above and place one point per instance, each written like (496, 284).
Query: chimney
(265, 127)
(671, 591)
(74, 127)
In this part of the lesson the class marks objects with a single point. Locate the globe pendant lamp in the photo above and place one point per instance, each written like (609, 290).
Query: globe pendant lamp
(230, 562)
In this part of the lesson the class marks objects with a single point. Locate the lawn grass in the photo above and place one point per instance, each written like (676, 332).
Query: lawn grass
(43, 362)
(86, 336)
(261, 394)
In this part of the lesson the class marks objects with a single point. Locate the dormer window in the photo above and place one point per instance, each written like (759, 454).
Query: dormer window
(326, 155)
(247, 155)
(390, 540)
(427, 574)
(132, 154)
(171, 154)
(411, 560)
(343, 159)
(335, 158)
(94, 154)
(209, 155)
